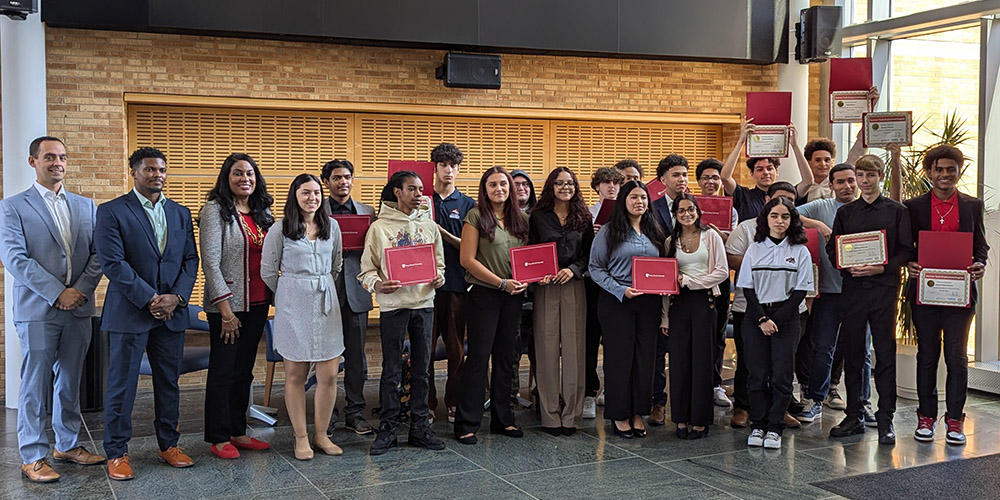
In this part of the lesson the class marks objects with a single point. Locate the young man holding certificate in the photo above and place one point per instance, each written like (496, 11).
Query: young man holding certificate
(403, 222)
(764, 171)
(870, 243)
(944, 210)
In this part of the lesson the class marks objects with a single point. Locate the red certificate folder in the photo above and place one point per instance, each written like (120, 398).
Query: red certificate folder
(534, 262)
(604, 215)
(716, 210)
(850, 73)
(655, 275)
(353, 229)
(411, 265)
(944, 249)
(424, 169)
(812, 243)
(656, 190)
(769, 108)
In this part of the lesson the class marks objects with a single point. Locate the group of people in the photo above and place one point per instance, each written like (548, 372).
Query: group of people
(144, 244)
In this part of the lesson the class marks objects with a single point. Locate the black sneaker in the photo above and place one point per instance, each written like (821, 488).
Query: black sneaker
(848, 427)
(359, 425)
(424, 437)
(385, 439)
(886, 433)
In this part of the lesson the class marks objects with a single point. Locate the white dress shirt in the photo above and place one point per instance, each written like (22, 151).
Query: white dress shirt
(59, 210)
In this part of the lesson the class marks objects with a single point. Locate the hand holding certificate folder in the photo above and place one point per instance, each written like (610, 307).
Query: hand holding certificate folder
(770, 113)
(850, 82)
(533, 263)
(944, 259)
(411, 265)
(717, 211)
(655, 275)
(353, 229)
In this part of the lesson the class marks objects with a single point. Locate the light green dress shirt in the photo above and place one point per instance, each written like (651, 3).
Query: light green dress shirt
(157, 217)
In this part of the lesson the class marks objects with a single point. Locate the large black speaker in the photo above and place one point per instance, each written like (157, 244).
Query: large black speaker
(18, 9)
(818, 34)
(474, 71)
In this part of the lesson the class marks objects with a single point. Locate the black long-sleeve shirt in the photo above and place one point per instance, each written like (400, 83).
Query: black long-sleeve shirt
(860, 216)
(573, 247)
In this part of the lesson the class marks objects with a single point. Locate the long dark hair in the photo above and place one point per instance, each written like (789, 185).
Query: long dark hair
(672, 248)
(260, 200)
(395, 181)
(579, 217)
(619, 226)
(516, 223)
(292, 225)
(795, 234)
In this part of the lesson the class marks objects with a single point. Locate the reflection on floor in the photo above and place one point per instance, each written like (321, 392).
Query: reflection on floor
(590, 464)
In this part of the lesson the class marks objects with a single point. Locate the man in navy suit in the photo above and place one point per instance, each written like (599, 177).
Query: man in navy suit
(47, 246)
(146, 247)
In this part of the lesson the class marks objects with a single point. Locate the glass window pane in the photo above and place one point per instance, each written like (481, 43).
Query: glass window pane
(860, 11)
(905, 7)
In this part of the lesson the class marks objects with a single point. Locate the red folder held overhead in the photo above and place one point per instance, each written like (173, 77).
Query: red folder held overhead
(604, 215)
(769, 108)
(656, 190)
(655, 275)
(353, 229)
(850, 73)
(411, 265)
(424, 169)
(716, 210)
(533, 263)
(944, 249)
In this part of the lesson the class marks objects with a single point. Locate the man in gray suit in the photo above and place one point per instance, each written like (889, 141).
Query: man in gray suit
(47, 246)
(355, 301)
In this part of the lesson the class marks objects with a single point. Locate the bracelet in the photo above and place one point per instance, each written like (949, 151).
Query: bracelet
(230, 320)
(503, 284)
(763, 319)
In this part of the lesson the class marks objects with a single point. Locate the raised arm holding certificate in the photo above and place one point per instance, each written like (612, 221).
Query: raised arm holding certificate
(717, 210)
(881, 129)
(945, 257)
(411, 265)
(862, 249)
(353, 229)
(771, 112)
(532, 263)
(655, 275)
(850, 79)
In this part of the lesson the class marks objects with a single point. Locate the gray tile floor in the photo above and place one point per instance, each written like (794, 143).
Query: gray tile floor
(590, 464)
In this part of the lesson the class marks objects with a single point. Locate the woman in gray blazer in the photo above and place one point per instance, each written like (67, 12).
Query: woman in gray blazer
(231, 226)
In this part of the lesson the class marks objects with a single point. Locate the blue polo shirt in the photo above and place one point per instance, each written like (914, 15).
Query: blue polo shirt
(449, 214)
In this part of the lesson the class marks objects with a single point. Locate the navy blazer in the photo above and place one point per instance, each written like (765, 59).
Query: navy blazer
(662, 214)
(131, 259)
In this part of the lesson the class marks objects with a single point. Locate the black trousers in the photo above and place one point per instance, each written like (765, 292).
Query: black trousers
(628, 354)
(770, 362)
(804, 355)
(953, 322)
(355, 364)
(594, 335)
(874, 305)
(230, 374)
(393, 328)
(741, 399)
(721, 319)
(449, 324)
(693, 344)
(492, 325)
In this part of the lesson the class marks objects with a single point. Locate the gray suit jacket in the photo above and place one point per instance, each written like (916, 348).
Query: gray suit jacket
(224, 260)
(32, 253)
(357, 297)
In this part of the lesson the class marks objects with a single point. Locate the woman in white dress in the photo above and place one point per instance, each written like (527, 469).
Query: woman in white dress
(302, 255)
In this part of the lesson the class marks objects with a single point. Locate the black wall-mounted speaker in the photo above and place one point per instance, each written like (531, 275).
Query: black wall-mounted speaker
(18, 9)
(476, 71)
(819, 34)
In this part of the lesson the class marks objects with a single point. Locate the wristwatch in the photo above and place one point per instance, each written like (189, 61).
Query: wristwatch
(181, 301)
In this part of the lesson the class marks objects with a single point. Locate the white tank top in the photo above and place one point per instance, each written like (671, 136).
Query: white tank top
(694, 263)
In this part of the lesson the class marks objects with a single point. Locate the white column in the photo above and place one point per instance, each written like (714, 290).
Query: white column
(988, 314)
(794, 77)
(22, 85)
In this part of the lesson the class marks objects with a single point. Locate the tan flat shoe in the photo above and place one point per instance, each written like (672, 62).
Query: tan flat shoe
(302, 449)
(327, 447)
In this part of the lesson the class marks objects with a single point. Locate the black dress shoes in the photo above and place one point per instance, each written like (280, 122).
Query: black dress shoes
(886, 433)
(514, 433)
(696, 434)
(553, 431)
(624, 434)
(682, 432)
(568, 431)
(848, 427)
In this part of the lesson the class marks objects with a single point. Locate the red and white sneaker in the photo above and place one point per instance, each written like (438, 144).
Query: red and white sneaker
(956, 434)
(925, 428)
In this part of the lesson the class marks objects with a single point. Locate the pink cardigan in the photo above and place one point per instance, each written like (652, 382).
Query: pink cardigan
(718, 271)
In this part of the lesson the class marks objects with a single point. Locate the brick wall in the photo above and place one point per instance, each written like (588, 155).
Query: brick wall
(88, 72)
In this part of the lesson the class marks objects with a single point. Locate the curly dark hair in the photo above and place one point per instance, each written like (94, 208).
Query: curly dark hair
(260, 200)
(819, 144)
(668, 163)
(292, 224)
(629, 162)
(752, 162)
(672, 249)
(795, 233)
(706, 164)
(943, 151)
(606, 174)
(141, 154)
(516, 222)
(579, 218)
(619, 227)
(447, 153)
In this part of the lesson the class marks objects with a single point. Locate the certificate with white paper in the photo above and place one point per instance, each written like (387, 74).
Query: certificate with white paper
(862, 249)
(944, 287)
(768, 141)
(849, 106)
(881, 129)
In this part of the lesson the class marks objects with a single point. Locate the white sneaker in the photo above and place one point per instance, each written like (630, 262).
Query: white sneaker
(834, 401)
(721, 399)
(600, 399)
(756, 438)
(772, 441)
(589, 407)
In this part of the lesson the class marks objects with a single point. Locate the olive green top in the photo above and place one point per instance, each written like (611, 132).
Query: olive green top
(495, 255)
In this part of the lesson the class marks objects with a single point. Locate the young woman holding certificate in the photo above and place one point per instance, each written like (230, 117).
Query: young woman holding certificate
(491, 229)
(305, 246)
(775, 276)
(629, 317)
(561, 216)
(690, 317)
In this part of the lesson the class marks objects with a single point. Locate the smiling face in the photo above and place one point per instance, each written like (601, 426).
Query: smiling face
(497, 188)
(242, 179)
(710, 182)
(150, 176)
(637, 202)
(522, 190)
(687, 213)
(49, 164)
(778, 220)
(820, 164)
(340, 183)
(564, 187)
(845, 186)
(408, 196)
(309, 196)
(764, 173)
(944, 174)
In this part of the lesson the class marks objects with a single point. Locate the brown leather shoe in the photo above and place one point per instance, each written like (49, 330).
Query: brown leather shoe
(658, 415)
(119, 468)
(175, 456)
(741, 418)
(791, 422)
(78, 455)
(39, 471)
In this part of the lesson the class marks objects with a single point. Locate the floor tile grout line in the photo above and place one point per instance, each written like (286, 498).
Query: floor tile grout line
(436, 476)
(564, 467)
(296, 469)
(518, 488)
(107, 477)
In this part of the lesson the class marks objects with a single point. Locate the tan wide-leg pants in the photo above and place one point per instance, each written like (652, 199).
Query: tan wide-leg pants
(560, 321)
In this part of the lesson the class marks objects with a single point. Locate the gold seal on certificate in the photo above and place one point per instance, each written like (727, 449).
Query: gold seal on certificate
(849, 106)
(862, 249)
(768, 141)
(944, 287)
(884, 128)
